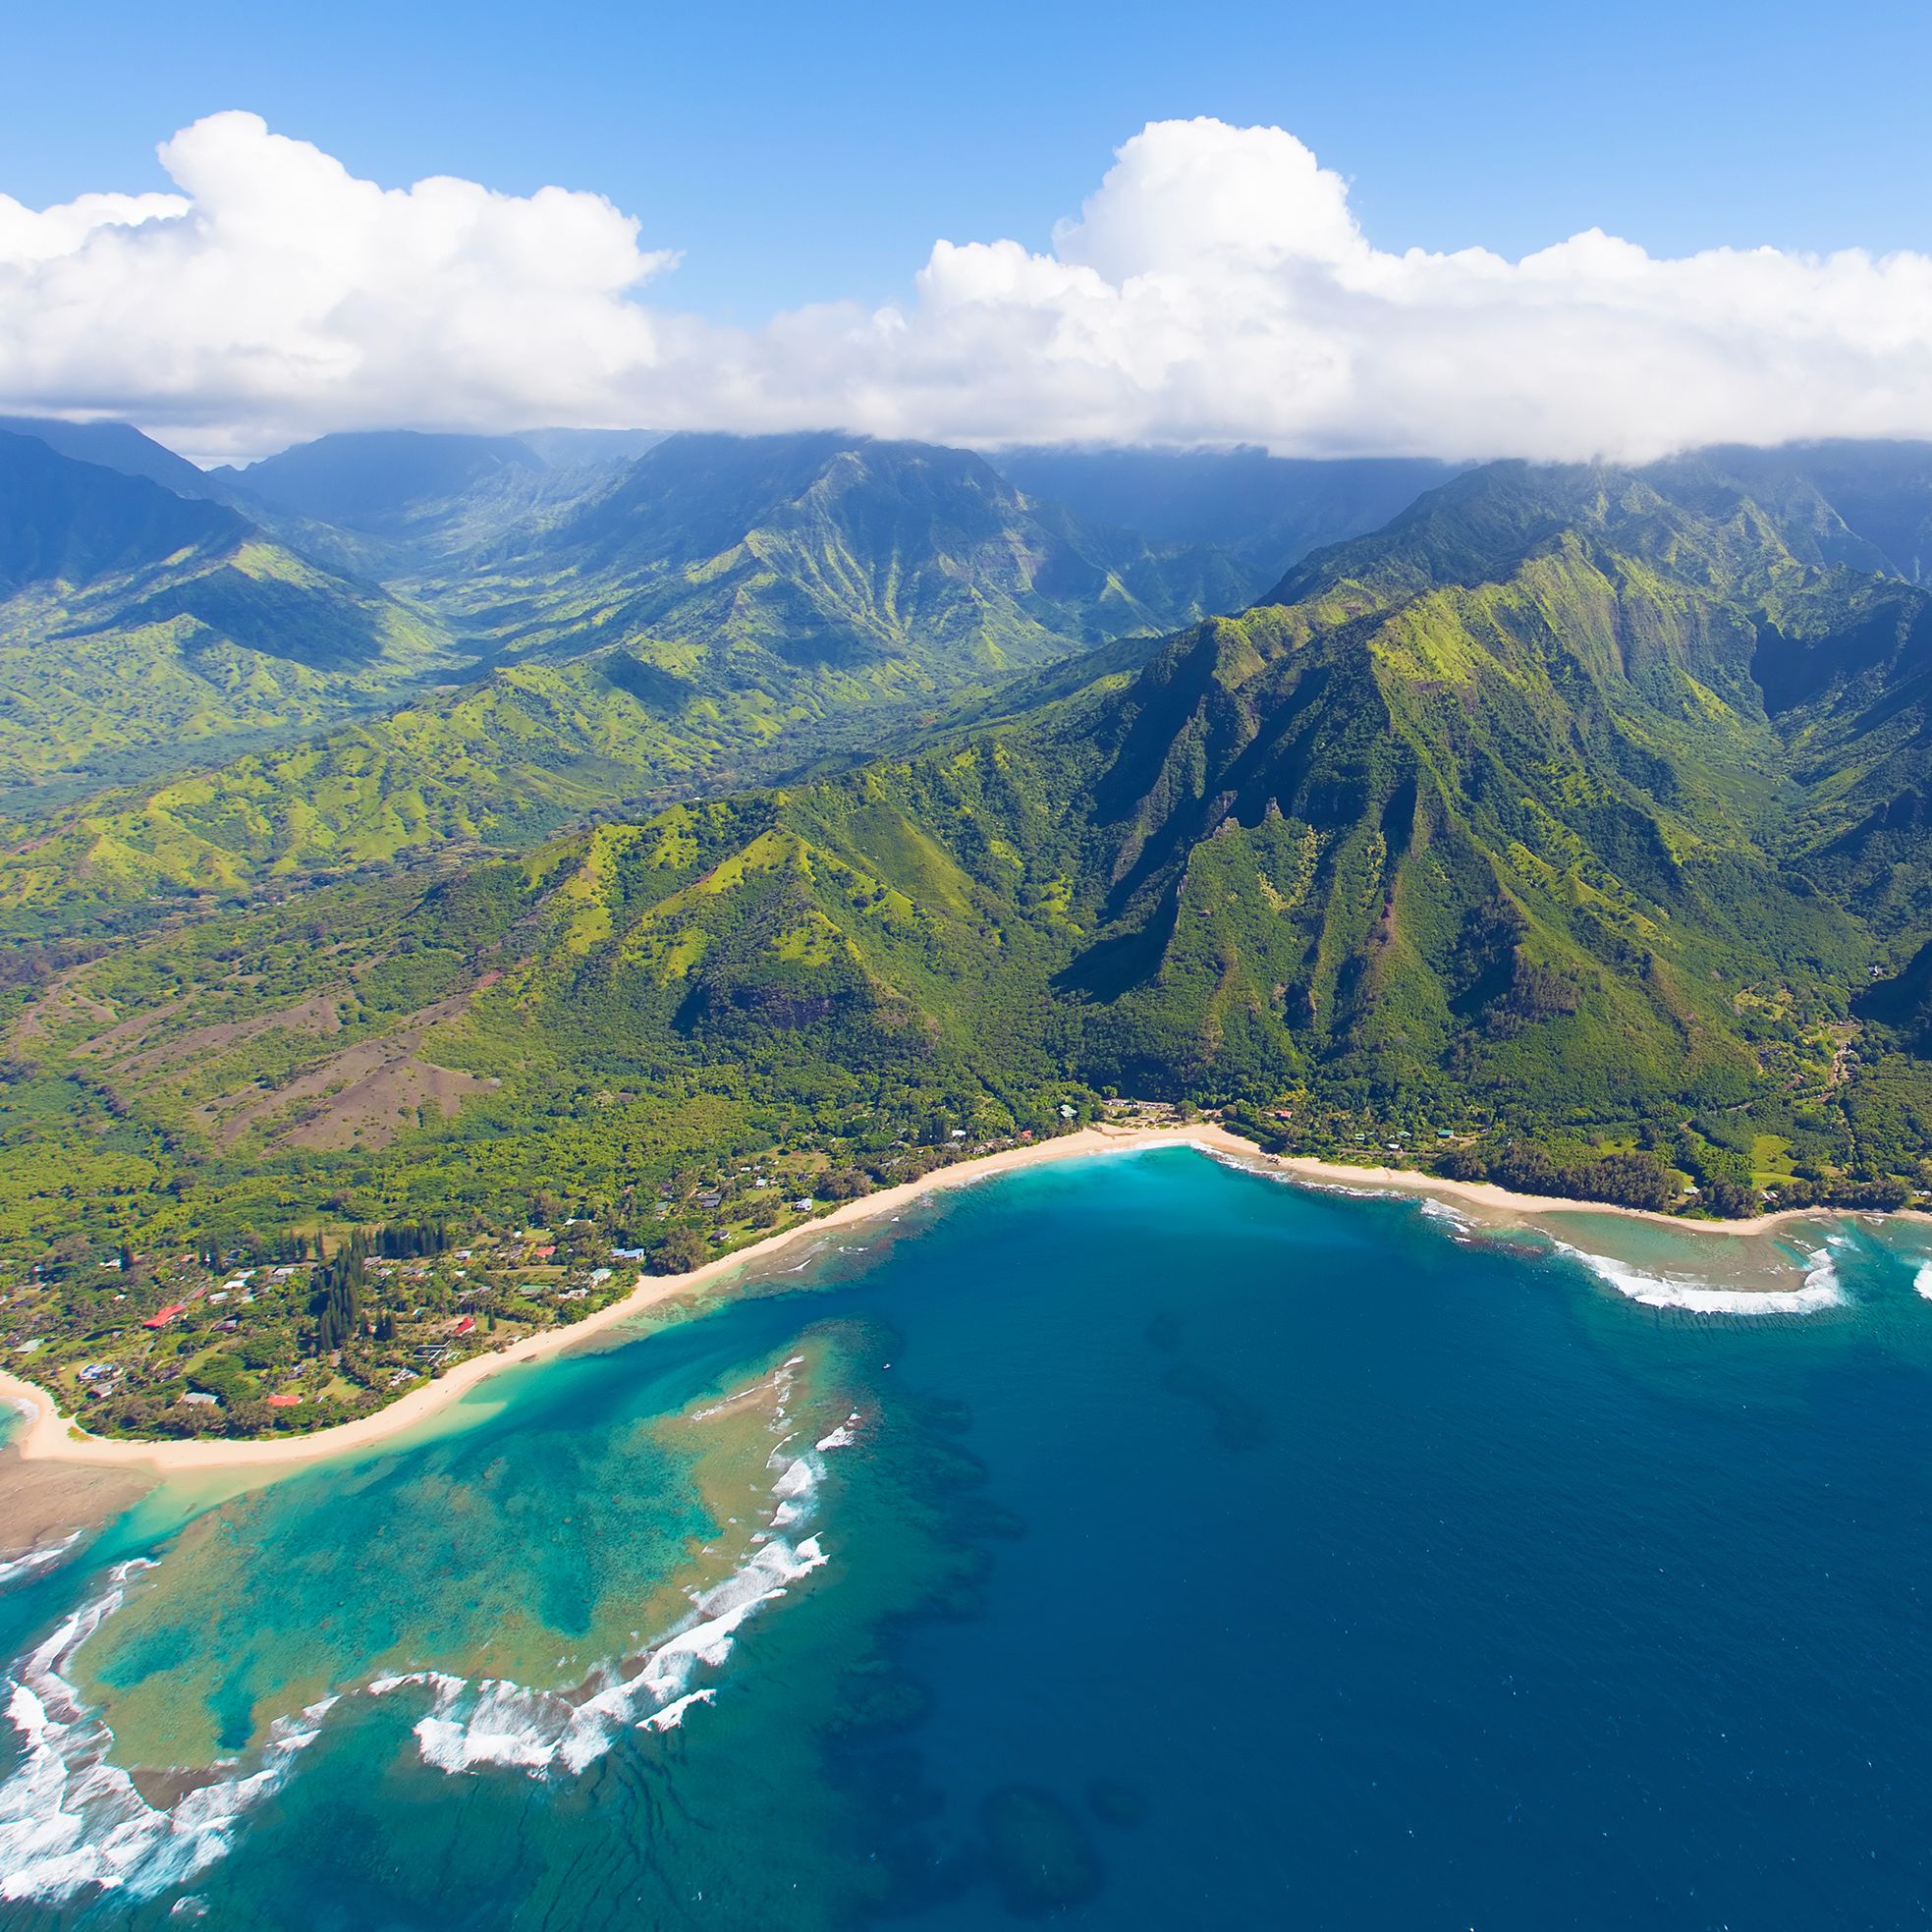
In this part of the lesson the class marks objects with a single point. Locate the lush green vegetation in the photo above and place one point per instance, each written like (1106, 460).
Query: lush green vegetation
(718, 612)
(140, 629)
(1565, 834)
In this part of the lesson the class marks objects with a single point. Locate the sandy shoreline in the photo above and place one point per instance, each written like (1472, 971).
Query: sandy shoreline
(1483, 1193)
(48, 1436)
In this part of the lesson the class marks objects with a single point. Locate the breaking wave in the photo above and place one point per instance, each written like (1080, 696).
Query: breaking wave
(673, 1715)
(1462, 1227)
(497, 1722)
(841, 1436)
(494, 1721)
(1922, 1279)
(34, 1561)
(1822, 1288)
(69, 1820)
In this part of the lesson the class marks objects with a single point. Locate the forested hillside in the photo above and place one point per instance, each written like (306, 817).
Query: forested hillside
(718, 611)
(1559, 809)
(1569, 830)
(1529, 845)
(826, 550)
(139, 628)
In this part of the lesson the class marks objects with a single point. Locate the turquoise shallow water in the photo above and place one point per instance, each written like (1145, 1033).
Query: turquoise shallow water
(1138, 1543)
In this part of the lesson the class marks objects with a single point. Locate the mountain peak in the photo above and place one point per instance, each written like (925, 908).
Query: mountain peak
(367, 479)
(69, 521)
(116, 446)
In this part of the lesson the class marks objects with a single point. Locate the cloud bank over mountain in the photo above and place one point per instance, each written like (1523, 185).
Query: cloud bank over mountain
(1215, 288)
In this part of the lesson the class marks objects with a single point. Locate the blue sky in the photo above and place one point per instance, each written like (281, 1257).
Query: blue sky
(1425, 228)
(798, 154)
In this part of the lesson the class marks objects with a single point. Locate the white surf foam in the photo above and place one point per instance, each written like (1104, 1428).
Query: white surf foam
(495, 1721)
(1462, 1228)
(1922, 1279)
(673, 1715)
(722, 1611)
(799, 1478)
(841, 1436)
(1822, 1288)
(796, 1490)
(36, 1560)
(71, 1821)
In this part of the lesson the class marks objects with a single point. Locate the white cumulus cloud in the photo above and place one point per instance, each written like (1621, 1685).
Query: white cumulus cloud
(1215, 288)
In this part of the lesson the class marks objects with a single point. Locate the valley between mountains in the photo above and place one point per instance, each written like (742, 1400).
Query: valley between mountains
(565, 851)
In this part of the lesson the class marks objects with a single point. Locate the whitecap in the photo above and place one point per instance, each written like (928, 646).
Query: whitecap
(35, 1560)
(1821, 1289)
(798, 1480)
(440, 1680)
(1922, 1279)
(797, 1489)
(673, 1715)
(498, 1722)
(71, 1821)
(1821, 1273)
(720, 1613)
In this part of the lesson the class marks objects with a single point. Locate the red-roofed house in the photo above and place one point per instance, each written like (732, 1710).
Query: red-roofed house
(163, 1317)
(284, 1402)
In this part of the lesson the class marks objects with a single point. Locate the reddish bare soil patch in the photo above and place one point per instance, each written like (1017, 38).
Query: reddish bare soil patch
(58, 1002)
(384, 1101)
(319, 1014)
(371, 1089)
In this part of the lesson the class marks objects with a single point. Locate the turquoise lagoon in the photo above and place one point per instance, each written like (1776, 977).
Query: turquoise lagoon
(1137, 1542)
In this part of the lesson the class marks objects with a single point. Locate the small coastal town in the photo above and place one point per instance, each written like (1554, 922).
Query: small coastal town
(965, 974)
(319, 1326)
(322, 1325)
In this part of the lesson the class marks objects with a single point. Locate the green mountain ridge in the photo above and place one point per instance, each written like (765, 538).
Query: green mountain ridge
(1865, 505)
(765, 587)
(1399, 844)
(825, 548)
(1566, 815)
(136, 623)
(858, 587)
(1532, 845)
(390, 505)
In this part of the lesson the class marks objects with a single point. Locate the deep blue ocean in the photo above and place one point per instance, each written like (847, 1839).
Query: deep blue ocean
(1135, 1543)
